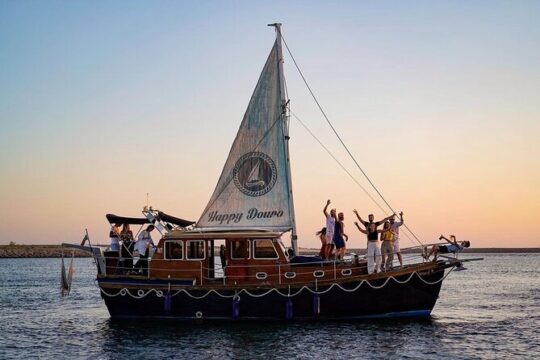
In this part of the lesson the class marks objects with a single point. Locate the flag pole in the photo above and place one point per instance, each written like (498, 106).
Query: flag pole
(87, 238)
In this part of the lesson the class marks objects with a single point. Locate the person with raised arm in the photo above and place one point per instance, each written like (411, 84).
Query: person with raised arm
(395, 229)
(453, 248)
(373, 246)
(330, 225)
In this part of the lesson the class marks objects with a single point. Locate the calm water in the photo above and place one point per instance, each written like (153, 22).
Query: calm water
(490, 311)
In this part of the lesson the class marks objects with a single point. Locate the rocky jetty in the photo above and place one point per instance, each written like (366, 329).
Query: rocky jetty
(37, 251)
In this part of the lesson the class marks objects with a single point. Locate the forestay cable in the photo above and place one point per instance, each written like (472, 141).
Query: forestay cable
(341, 165)
(337, 161)
(339, 137)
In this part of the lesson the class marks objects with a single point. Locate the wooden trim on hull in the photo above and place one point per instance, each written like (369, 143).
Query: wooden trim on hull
(353, 300)
(142, 282)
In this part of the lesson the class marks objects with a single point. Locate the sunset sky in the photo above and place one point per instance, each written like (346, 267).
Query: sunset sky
(102, 102)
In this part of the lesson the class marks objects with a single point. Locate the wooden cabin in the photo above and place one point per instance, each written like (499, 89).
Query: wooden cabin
(247, 258)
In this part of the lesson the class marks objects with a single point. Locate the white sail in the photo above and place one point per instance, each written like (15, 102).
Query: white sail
(253, 189)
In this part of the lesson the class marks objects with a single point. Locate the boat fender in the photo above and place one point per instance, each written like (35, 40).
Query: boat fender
(288, 309)
(167, 302)
(198, 314)
(236, 307)
(316, 304)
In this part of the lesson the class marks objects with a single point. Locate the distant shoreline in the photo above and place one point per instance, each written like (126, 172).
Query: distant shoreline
(55, 251)
(38, 251)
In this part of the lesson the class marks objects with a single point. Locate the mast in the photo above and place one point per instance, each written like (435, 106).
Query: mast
(285, 124)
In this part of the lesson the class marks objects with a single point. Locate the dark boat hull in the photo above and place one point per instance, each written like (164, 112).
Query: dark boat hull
(406, 295)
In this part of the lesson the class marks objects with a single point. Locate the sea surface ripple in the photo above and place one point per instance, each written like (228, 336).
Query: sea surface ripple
(490, 311)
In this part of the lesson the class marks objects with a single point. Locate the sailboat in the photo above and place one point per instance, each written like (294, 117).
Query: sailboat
(248, 216)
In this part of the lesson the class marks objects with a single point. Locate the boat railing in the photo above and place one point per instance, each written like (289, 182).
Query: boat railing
(352, 266)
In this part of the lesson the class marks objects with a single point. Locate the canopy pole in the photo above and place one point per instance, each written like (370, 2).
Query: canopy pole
(285, 124)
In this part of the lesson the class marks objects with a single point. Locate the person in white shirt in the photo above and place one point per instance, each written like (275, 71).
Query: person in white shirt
(142, 245)
(330, 226)
(395, 229)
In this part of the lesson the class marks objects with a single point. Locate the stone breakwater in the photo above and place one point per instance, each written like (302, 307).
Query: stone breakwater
(55, 251)
(37, 251)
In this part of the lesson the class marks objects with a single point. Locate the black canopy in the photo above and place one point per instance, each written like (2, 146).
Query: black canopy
(174, 220)
(113, 219)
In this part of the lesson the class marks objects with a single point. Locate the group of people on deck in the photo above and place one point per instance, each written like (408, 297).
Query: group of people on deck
(123, 242)
(380, 254)
(379, 257)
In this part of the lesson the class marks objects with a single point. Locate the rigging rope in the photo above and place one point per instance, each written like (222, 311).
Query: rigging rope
(337, 161)
(342, 166)
(340, 139)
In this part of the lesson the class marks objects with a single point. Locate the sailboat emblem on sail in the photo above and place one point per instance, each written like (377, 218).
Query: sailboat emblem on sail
(255, 174)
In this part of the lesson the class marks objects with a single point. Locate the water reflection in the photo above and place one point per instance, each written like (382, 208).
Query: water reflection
(241, 340)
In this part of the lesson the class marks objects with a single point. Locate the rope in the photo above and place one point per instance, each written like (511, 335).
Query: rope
(338, 162)
(342, 166)
(141, 293)
(339, 137)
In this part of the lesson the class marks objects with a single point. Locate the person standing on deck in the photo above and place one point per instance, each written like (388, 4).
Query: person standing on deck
(322, 236)
(387, 247)
(330, 225)
(373, 245)
(340, 237)
(114, 234)
(395, 229)
(222, 256)
(126, 237)
(142, 245)
(373, 248)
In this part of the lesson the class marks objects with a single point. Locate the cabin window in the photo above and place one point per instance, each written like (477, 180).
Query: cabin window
(173, 250)
(195, 250)
(239, 249)
(264, 249)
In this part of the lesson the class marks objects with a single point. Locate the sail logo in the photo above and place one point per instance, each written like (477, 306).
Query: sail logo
(255, 174)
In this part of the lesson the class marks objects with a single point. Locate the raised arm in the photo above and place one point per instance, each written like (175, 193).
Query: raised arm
(359, 228)
(325, 210)
(401, 218)
(383, 220)
(442, 237)
(358, 216)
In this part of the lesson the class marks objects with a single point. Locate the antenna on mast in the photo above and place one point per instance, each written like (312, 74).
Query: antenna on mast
(146, 208)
